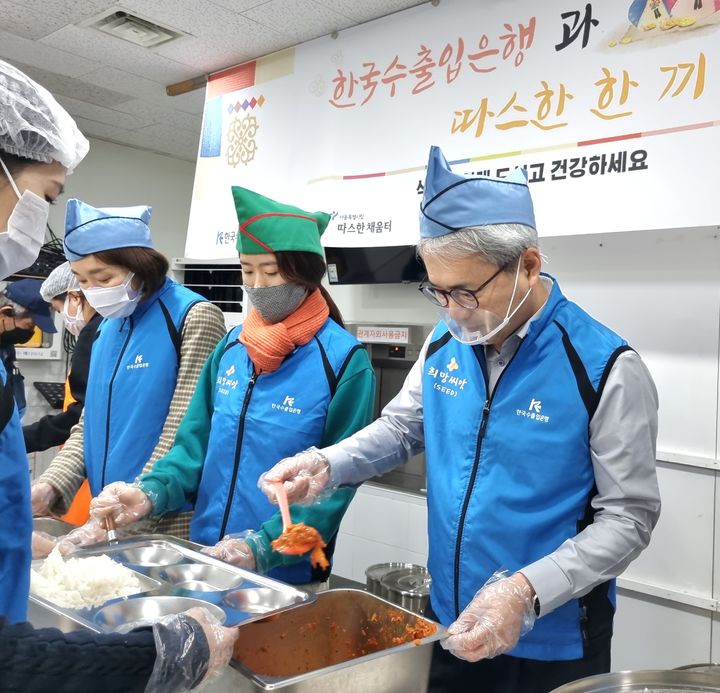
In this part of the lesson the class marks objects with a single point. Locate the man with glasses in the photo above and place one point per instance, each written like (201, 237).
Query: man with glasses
(539, 426)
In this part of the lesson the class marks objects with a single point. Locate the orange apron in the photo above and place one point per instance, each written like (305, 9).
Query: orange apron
(79, 511)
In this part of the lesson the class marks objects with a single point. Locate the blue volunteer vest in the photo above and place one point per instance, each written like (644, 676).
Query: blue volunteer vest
(510, 475)
(15, 510)
(132, 378)
(256, 421)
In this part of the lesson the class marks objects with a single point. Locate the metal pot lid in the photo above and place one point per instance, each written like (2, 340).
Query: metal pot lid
(413, 581)
(672, 681)
(703, 668)
(378, 570)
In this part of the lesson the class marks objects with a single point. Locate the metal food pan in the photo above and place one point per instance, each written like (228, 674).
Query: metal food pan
(172, 573)
(347, 640)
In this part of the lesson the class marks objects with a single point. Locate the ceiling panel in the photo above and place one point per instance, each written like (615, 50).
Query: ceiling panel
(70, 10)
(311, 21)
(103, 115)
(203, 56)
(366, 10)
(199, 19)
(108, 50)
(125, 82)
(159, 114)
(34, 19)
(75, 88)
(18, 49)
(27, 22)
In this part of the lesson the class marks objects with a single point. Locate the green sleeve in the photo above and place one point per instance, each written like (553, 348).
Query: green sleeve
(174, 478)
(350, 410)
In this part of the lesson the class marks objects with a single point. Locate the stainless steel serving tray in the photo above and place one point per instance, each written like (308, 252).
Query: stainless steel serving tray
(174, 576)
(344, 641)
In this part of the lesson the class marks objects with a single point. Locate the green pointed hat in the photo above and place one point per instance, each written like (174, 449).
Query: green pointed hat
(267, 226)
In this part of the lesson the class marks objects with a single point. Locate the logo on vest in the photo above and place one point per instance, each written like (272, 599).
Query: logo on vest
(533, 412)
(138, 363)
(225, 383)
(446, 383)
(287, 406)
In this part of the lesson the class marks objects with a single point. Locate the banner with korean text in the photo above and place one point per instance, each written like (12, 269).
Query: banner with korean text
(611, 106)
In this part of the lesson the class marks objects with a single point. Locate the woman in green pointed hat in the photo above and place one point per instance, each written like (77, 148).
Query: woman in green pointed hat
(290, 376)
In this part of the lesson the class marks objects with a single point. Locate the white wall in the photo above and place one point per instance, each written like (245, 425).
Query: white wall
(113, 175)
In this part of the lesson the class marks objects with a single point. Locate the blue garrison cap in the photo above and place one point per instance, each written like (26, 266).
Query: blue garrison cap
(452, 202)
(89, 230)
(26, 293)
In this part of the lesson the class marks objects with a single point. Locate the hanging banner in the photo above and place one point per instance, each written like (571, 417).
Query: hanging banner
(612, 108)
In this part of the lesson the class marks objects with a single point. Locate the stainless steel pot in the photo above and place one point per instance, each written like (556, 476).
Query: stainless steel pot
(645, 682)
(408, 587)
(375, 573)
(713, 669)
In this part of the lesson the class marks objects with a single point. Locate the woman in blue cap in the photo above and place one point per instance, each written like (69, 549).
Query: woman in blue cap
(145, 361)
(39, 145)
(289, 376)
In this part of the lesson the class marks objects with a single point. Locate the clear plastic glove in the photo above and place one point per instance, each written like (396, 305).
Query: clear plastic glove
(245, 550)
(125, 503)
(305, 476)
(42, 544)
(183, 662)
(493, 622)
(42, 495)
(92, 532)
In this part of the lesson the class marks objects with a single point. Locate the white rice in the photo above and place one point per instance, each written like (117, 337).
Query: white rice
(81, 583)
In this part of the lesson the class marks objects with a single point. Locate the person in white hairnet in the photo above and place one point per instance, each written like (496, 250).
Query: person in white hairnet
(62, 291)
(39, 146)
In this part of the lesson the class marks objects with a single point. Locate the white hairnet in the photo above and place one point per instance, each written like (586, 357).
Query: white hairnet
(35, 126)
(59, 281)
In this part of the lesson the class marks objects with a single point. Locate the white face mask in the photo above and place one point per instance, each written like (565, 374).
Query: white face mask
(73, 323)
(20, 244)
(114, 301)
(484, 324)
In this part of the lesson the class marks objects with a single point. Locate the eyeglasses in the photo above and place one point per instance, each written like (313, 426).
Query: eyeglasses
(465, 298)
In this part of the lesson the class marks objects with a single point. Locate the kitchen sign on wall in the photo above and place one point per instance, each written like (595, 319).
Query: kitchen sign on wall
(611, 107)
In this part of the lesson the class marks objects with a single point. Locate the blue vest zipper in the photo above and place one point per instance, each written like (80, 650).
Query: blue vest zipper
(109, 403)
(471, 482)
(238, 447)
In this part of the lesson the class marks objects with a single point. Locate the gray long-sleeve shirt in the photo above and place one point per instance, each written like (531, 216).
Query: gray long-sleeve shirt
(623, 434)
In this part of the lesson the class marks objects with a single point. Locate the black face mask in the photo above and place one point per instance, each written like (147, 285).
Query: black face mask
(16, 336)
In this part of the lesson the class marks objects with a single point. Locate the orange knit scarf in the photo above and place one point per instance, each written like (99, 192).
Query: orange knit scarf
(269, 343)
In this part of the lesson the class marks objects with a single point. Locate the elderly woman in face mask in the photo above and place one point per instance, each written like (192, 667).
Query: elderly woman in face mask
(145, 360)
(289, 376)
(39, 145)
